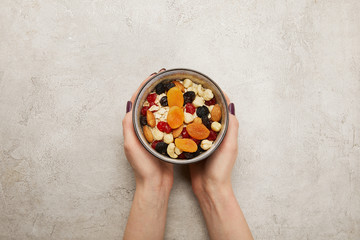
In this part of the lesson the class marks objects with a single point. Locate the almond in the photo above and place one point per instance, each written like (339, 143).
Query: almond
(150, 118)
(216, 113)
(179, 85)
(176, 132)
(148, 134)
(197, 120)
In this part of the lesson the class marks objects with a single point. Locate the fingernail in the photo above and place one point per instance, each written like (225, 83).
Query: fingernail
(152, 74)
(163, 69)
(232, 108)
(128, 106)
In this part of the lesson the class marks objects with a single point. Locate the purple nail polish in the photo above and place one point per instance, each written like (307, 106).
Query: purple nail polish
(128, 106)
(232, 108)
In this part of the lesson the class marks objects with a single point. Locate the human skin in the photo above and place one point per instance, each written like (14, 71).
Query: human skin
(211, 183)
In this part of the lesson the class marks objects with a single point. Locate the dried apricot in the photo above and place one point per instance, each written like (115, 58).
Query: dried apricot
(175, 117)
(177, 131)
(197, 131)
(186, 144)
(175, 97)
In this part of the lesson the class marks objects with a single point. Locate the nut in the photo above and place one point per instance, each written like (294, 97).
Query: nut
(158, 135)
(179, 85)
(216, 113)
(208, 95)
(176, 132)
(154, 108)
(188, 118)
(216, 126)
(168, 138)
(206, 144)
(187, 83)
(197, 120)
(198, 101)
(146, 103)
(150, 118)
(171, 150)
(177, 151)
(200, 90)
(211, 108)
(147, 133)
(193, 88)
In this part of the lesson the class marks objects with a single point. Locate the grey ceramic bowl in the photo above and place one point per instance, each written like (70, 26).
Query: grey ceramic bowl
(196, 77)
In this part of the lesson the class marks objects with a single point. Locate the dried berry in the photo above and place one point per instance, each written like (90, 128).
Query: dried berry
(184, 133)
(206, 121)
(189, 108)
(181, 156)
(212, 136)
(160, 88)
(169, 85)
(189, 155)
(202, 111)
(151, 97)
(153, 145)
(211, 102)
(144, 110)
(161, 147)
(163, 101)
(143, 120)
(196, 141)
(164, 127)
(189, 97)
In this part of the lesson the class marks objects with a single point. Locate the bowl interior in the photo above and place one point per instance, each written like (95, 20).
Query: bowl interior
(197, 78)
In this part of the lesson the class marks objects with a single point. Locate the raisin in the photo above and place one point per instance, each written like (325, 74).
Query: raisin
(196, 141)
(206, 121)
(168, 85)
(181, 156)
(161, 147)
(151, 97)
(189, 97)
(163, 101)
(202, 111)
(194, 154)
(189, 108)
(211, 102)
(143, 120)
(160, 88)
(144, 110)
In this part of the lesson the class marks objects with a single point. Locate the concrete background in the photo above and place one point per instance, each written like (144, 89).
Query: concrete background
(67, 68)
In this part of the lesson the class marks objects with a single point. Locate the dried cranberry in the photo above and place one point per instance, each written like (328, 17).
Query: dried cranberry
(212, 136)
(144, 110)
(211, 102)
(184, 133)
(163, 101)
(164, 127)
(143, 120)
(151, 97)
(202, 111)
(189, 96)
(153, 145)
(189, 108)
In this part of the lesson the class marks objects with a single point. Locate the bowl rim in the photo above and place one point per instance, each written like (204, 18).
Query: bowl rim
(146, 145)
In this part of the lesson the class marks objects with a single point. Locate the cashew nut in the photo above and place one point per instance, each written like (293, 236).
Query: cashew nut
(216, 126)
(158, 135)
(187, 83)
(171, 150)
(198, 101)
(188, 118)
(208, 95)
(177, 151)
(206, 144)
(200, 90)
(168, 138)
(154, 108)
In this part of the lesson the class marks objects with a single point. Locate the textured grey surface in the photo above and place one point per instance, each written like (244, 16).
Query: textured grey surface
(67, 68)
